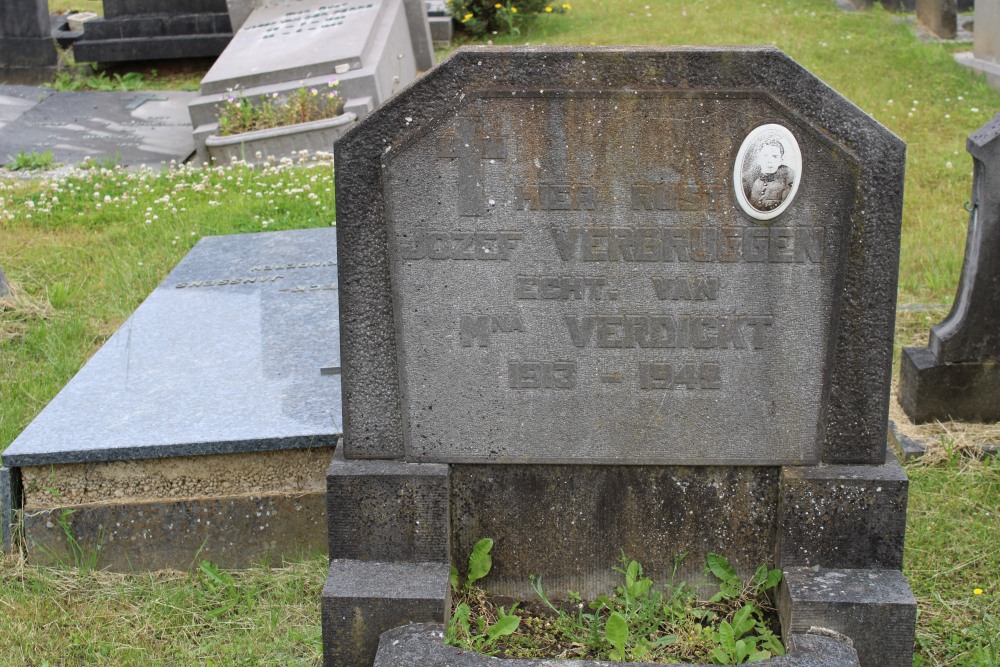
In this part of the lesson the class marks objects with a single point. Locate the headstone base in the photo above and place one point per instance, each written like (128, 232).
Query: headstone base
(361, 600)
(875, 608)
(988, 68)
(27, 52)
(843, 516)
(930, 391)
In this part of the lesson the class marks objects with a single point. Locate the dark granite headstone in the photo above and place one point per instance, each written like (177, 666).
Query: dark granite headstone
(939, 17)
(155, 30)
(957, 376)
(26, 43)
(130, 127)
(585, 285)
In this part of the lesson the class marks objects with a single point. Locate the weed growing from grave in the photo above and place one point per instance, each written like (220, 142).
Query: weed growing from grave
(33, 161)
(99, 80)
(638, 622)
(238, 114)
(482, 17)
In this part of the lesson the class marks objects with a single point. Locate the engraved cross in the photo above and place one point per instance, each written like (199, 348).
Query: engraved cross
(470, 150)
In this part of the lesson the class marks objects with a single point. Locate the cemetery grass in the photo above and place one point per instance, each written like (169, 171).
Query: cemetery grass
(82, 264)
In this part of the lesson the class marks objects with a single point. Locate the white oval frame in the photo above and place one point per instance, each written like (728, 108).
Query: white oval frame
(792, 159)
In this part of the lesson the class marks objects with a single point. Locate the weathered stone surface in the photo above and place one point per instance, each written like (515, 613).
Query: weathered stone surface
(423, 644)
(288, 472)
(9, 502)
(361, 600)
(569, 523)
(939, 17)
(136, 127)
(226, 355)
(957, 375)
(985, 55)
(232, 532)
(25, 38)
(843, 516)
(387, 510)
(875, 608)
(528, 147)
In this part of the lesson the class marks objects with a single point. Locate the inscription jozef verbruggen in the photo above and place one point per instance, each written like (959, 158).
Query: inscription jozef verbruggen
(581, 266)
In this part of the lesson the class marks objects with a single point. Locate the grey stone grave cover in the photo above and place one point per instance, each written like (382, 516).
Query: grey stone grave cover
(226, 355)
(618, 256)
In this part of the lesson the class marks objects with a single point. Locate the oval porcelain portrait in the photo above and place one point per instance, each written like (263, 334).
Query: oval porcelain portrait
(767, 171)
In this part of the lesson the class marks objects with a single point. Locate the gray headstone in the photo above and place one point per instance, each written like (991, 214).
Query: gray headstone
(25, 37)
(957, 376)
(4, 285)
(570, 261)
(985, 54)
(673, 270)
(365, 45)
(226, 355)
(133, 127)
(939, 17)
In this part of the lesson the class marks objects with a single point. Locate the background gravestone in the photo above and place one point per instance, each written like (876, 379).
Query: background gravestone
(4, 285)
(155, 30)
(364, 45)
(26, 45)
(604, 299)
(939, 17)
(957, 376)
(985, 54)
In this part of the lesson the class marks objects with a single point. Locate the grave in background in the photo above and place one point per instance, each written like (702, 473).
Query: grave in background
(128, 128)
(605, 299)
(4, 285)
(365, 45)
(27, 50)
(155, 30)
(204, 425)
(957, 376)
(939, 17)
(985, 54)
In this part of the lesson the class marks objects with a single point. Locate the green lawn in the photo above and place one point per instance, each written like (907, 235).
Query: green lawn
(83, 252)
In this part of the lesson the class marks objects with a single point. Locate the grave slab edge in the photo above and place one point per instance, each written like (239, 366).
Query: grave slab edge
(372, 417)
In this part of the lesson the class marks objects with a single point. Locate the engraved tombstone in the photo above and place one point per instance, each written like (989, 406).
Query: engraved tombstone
(609, 299)
(957, 376)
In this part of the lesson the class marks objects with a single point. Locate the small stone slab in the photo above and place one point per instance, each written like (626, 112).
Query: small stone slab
(226, 355)
(16, 100)
(132, 127)
(423, 644)
(874, 607)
